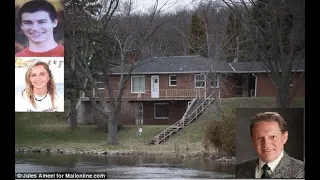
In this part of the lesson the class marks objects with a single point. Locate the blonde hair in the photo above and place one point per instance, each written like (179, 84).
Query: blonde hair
(51, 85)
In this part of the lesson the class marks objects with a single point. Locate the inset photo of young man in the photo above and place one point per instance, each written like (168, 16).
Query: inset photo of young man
(39, 28)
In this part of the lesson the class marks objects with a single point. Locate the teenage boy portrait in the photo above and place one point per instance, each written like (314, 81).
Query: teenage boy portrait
(37, 20)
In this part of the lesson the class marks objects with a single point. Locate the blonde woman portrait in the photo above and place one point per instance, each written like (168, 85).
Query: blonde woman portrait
(40, 93)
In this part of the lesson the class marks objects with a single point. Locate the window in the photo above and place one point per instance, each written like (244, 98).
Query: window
(199, 81)
(137, 84)
(161, 111)
(100, 82)
(214, 81)
(172, 80)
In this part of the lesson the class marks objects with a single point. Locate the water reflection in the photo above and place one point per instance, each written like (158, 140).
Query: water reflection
(132, 167)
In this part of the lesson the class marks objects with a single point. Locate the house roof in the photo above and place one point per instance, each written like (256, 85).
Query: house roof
(192, 64)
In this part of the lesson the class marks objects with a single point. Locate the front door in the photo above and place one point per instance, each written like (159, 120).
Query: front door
(155, 86)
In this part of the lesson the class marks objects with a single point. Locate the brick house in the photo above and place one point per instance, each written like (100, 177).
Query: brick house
(160, 89)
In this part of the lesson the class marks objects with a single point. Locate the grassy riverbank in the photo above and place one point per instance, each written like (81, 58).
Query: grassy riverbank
(46, 130)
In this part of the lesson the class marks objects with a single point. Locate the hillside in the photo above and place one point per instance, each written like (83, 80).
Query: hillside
(50, 131)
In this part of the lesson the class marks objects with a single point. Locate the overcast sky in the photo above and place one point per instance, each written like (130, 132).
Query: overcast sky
(172, 4)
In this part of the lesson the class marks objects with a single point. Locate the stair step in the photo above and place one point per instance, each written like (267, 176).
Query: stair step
(195, 111)
(175, 127)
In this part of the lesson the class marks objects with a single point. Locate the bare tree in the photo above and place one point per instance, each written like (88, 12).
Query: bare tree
(73, 34)
(215, 19)
(277, 30)
(101, 40)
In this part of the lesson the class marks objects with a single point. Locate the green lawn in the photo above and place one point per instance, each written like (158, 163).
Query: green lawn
(47, 130)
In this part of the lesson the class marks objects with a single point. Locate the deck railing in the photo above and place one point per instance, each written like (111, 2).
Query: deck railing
(162, 94)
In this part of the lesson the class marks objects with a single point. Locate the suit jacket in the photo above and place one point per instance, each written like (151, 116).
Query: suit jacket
(288, 167)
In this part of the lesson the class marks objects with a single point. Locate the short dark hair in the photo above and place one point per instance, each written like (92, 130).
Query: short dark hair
(38, 5)
(271, 117)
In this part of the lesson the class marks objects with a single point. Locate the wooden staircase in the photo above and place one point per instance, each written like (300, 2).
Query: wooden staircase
(195, 109)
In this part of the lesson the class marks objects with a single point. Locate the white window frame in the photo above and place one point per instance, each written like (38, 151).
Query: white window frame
(215, 79)
(170, 80)
(154, 111)
(195, 80)
(100, 82)
(138, 92)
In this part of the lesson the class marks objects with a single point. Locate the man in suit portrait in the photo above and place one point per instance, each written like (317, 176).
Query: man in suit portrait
(269, 134)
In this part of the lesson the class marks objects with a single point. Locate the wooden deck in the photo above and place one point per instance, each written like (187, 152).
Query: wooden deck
(164, 94)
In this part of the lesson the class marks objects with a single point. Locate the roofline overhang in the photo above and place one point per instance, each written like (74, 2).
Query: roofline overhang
(193, 72)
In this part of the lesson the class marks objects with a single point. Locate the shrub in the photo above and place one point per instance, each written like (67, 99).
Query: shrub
(221, 135)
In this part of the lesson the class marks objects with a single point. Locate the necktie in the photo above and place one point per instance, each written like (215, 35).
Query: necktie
(265, 174)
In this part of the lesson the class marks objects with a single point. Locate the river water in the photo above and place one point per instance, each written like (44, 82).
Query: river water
(125, 167)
